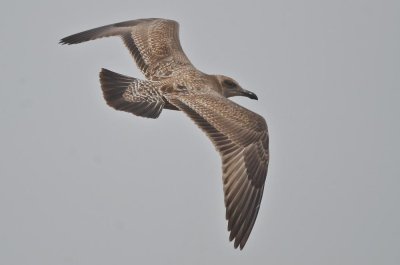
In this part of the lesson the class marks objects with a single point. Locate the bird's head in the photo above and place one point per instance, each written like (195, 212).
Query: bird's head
(230, 88)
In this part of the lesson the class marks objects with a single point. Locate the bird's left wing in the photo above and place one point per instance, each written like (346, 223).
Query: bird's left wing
(154, 44)
(241, 137)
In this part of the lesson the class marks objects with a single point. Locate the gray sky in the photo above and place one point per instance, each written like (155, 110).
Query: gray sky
(81, 183)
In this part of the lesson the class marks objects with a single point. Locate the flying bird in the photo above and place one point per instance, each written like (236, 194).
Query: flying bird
(239, 135)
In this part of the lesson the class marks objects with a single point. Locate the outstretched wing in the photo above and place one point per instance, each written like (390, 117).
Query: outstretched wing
(241, 137)
(154, 44)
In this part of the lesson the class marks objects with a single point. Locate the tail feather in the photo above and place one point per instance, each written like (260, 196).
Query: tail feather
(129, 94)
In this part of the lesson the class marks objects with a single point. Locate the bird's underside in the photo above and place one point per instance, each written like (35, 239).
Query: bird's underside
(239, 135)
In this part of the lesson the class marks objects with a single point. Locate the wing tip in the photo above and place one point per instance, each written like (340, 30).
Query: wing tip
(63, 41)
(69, 40)
(237, 242)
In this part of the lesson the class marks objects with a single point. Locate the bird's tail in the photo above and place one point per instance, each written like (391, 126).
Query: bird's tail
(129, 94)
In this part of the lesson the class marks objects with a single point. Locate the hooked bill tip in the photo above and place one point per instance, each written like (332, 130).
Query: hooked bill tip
(250, 94)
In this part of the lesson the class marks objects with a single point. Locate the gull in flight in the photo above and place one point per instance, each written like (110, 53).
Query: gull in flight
(239, 135)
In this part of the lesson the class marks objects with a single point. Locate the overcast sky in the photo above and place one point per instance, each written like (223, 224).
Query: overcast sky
(81, 183)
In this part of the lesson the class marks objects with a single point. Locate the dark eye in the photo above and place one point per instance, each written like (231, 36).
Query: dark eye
(228, 83)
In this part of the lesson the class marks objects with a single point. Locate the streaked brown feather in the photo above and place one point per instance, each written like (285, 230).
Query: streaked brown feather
(241, 137)
(125, 93)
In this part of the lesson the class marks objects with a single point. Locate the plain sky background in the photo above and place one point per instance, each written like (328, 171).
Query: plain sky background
(81, 183)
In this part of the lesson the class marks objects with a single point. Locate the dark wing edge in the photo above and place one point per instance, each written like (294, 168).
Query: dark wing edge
(116, 29)
(244, 165)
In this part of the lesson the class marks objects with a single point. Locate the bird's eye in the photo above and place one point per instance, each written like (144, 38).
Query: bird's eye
(228, 83)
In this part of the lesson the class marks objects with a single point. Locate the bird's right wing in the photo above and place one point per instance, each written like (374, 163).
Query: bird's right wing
(154, 44)
(241, 137)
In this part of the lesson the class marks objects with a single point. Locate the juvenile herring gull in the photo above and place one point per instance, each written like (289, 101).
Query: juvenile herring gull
(239, 135)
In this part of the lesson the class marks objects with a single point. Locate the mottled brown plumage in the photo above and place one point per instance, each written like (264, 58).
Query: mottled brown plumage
(239, 135)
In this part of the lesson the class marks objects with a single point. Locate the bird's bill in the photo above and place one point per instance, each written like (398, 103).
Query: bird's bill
(249, 94)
